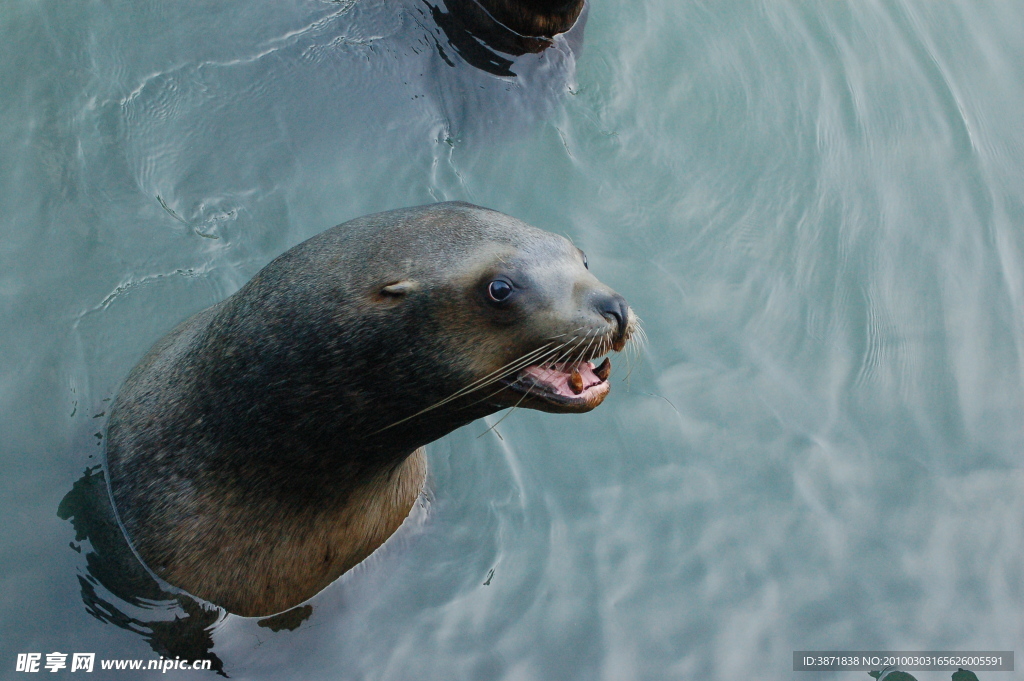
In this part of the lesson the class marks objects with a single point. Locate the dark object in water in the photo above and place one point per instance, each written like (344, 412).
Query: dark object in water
(482, 31)
(528, 18)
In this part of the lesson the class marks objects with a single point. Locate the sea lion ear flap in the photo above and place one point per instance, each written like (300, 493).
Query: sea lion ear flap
(399, 288)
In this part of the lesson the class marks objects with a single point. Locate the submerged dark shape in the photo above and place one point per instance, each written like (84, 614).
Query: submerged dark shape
(486, 32)
(273, 441)
(543, 18)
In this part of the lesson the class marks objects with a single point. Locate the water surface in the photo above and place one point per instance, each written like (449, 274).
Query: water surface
(816, 207)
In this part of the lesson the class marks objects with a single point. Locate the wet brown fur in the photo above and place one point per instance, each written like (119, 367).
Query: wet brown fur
(261, 562)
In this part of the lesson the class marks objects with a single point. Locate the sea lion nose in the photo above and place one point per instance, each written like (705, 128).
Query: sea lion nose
(612, 306)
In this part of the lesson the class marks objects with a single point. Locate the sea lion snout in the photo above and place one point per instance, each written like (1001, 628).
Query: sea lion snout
(615, 309)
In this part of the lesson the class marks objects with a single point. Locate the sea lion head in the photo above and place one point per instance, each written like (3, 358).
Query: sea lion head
(408, 324)
(515, 316)
(534, 317)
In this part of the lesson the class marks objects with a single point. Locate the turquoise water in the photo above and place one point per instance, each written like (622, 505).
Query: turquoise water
(816, 207)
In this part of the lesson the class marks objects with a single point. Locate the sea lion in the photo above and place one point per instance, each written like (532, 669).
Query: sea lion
(536, 18)
(274, 440)
(486, 33)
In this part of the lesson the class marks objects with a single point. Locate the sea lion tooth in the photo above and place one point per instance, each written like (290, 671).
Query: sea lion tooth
(604, 370)
(576, 381)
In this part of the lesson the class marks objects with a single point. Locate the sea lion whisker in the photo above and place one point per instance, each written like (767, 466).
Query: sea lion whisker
(634, 347)
(630, 365)
(600, 343)
(552, 364)
(509, 368)
(485, 397)
(586, 349)
(506, 368)
(529, 390)
(505, 416)
(563, 345)
(575, 351)
(564, 334)
(639, 333)
(483, 382)
(504, 387)
(568, 353)
(564, 354)
(496, 375)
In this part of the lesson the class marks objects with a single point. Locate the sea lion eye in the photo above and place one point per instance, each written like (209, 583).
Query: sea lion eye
(499, 290)
(584, 256)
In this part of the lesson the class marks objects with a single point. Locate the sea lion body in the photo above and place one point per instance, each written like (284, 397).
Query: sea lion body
(274, 440)
(544, 18)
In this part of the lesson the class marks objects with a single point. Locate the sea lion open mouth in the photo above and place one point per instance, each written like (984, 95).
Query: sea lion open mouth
(562, 386)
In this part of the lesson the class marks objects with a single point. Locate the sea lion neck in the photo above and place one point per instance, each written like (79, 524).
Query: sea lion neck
(298, 405)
